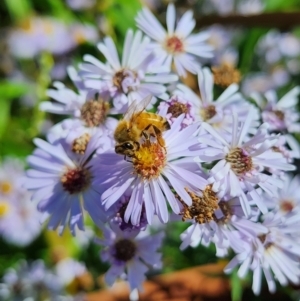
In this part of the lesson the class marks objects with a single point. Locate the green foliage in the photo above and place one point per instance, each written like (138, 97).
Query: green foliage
(18, 9)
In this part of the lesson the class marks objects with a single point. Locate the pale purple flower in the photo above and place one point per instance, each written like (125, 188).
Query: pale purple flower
(216, 112)
(217, 221)
(19, 218)
(68, 269)
(151, 183)
(287, 203)
(274, 255)
(130, 256)
(282, 114)
(241, 161)
(176, 45)
(221, 39)
(132, 78)
(176, 106)
(91, 110)
(63, 177)
(37, 34)
(29, 281)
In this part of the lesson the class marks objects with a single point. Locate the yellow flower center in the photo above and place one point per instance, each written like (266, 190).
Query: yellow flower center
(225, 75)
(5, 187)
(149, 160)
(4, 208)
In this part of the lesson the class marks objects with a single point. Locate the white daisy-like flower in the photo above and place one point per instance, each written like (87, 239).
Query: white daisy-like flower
(240, 164)
(216, 112)
(133, 78)
(287, 203)
(176, 45)
(215, 220)
(151, 172)
(282, 114)
(275, 254)
(90, 110)
(176, 106)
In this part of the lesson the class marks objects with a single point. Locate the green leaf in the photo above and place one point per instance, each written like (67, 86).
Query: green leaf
(18, 9)
(4, 114)
(279, 5)
(10, 90)
(236, 287)
(248, 47)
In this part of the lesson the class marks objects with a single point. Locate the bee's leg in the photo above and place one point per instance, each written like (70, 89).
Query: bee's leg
(128, 159)
(159, 137)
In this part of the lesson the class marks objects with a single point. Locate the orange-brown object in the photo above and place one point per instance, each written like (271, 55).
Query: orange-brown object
(199, 283)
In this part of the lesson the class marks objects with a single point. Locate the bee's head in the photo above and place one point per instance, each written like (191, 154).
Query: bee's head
(127, 148)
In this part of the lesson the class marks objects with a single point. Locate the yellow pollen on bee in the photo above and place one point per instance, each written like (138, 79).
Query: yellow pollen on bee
(4, 208)
(174, 44)
(5, 187)
(149, 160)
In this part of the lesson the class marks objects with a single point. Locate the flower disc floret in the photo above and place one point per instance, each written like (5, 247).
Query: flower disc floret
(287, 206)
(202, 208)
(4, 208)
(76, 180)
(5, 187)
(125, 249)
(239, 160)
(174, 45)
(177, 108)
(208, 112)
(125, 80)
(149, 160)
(94, 112)
(80, 144)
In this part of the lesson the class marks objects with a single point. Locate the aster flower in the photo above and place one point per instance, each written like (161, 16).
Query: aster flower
(131, 79)
(281, 114)
(176, 106)
(151, 181)
(74, 276)
(29, 281)
(19, 218)
(175, 44)
(216, 220)
(63, 179)
(216, 112)
(240, 164)
(91, 110)
(273, 253)
(129, 255)
(287, 203)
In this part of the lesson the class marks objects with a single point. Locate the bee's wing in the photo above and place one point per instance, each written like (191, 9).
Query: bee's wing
(137, 107)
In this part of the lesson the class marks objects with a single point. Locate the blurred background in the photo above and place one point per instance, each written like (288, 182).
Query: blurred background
(38, 41)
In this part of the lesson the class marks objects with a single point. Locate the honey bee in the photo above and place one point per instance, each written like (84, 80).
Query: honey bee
(137, 124)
